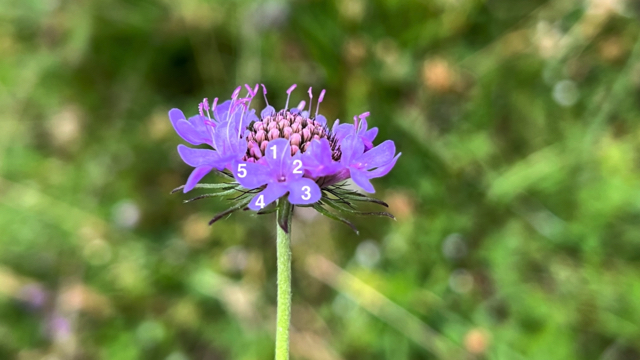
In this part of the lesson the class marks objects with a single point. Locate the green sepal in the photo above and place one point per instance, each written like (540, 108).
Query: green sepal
(350, 209)
(229, 211)
(318, 207)
(225, 186)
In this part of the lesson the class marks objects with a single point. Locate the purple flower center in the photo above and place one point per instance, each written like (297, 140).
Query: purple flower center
(291, 126)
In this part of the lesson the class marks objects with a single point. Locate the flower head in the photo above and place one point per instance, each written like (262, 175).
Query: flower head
(291, 152)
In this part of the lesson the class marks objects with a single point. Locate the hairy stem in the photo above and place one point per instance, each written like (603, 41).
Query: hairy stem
(285, 212)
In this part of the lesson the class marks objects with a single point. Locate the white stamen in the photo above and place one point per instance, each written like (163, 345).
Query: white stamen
(215, 103)
(320, 98)
(264, 93)
(286, 106)
(310, 99)
(236, 92)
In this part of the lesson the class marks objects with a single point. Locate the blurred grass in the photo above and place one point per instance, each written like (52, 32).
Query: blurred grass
(517, 195)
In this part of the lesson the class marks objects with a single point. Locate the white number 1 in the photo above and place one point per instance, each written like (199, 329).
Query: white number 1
(298, 165)
(274, 151)
(307, 193)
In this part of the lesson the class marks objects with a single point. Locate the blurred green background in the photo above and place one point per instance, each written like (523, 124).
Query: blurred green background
(517, 195)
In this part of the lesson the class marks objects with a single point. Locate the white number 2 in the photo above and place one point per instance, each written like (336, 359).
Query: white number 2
(298, 167)
(260, 201)
(307, 193)
(273, 148)
(242, 172)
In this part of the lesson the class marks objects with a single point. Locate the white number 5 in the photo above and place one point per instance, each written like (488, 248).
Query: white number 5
(242, 172)
(298, 169)
(307, 193)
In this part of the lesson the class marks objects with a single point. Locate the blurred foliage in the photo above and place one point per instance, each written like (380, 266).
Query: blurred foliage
(517, 195)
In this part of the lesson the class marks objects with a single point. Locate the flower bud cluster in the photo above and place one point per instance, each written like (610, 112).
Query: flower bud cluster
(287, 125)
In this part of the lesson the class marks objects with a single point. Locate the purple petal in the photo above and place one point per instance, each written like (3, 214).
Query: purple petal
(221, 111)
(186, 131)
(278, 155)
(304, 191)
(268, 111)
(321, 119)
(371, 134)
(176, 115)
(351, 147)
(205, 131)
(199, 157)
(227, 142)
(342, 130)
(361, 178)
(272, 193)
(250, 175)
(249, 117)
(376, 157)
(384, 169)
(318, 161)
(196, 175)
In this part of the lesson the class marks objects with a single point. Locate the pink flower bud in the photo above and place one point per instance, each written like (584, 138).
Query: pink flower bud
(295, 139)
(287, 132)
(273, 134)
(306, 134)
(261, 135)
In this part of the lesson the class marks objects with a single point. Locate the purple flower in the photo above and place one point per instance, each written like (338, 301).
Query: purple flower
(318, 160)
(364, 165)
(288, 152)
(281, 173)
(229, 147)
(194, 131)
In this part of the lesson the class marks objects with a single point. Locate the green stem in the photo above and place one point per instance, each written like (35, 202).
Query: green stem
(285, 212)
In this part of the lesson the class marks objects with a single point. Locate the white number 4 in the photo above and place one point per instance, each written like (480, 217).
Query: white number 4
(298, 167)
(307, 193)
(260, 201)
(242, 172)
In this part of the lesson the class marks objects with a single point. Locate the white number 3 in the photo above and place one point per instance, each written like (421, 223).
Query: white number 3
(307, 193)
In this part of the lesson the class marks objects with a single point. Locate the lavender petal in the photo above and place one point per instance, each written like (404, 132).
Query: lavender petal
(351, 147)
(361, 178)
(378, 156)
(250, 175)
(272, 193)
(198, 157)
(383, 170)
(196, 175)
(304, 191)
